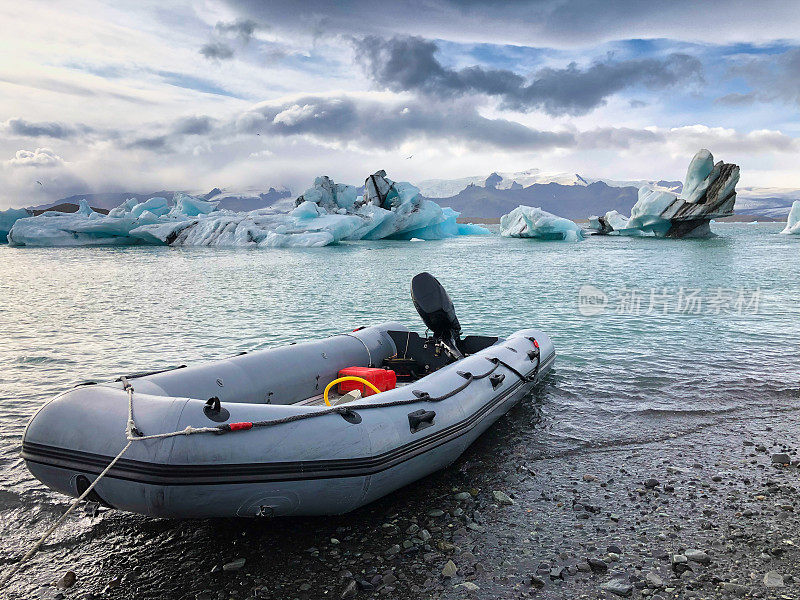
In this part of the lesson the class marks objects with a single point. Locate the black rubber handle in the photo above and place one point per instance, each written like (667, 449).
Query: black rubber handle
(420, 419)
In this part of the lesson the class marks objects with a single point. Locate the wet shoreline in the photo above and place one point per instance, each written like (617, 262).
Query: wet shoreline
(502, 522)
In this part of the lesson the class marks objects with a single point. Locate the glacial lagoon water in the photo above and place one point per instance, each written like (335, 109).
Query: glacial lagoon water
(655, 338)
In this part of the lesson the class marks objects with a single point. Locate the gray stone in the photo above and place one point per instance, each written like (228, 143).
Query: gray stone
(468, 585)
(234, 565)
(463, 496)
(653, 580)
(651, 483)
(734, 589)
(697, 556)
(449, 569)
(67, 580)
(773, 579)
(502, 498)
(618, 586)
(350, 590)
(597, 565)
(781, 459)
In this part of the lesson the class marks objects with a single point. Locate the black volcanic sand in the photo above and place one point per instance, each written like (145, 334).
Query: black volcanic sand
(703, 515)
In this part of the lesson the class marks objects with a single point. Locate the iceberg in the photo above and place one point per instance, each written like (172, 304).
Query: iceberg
(530, 222)
(326, 213)
(612, 223)
(7, 220)
(709, 192)
(792, 222)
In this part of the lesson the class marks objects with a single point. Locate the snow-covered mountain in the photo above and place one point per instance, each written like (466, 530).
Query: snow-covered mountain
(445, 188)
(576, 196)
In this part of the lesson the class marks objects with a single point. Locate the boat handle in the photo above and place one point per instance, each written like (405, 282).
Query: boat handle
(420, 419)
(348, 378)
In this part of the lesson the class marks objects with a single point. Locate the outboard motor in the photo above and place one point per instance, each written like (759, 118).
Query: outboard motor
(437, 312)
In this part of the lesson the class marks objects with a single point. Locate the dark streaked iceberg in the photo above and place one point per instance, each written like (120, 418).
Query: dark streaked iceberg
(709, 192)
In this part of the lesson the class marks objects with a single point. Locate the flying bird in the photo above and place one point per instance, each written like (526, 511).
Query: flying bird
(40, 183)
(407, 157)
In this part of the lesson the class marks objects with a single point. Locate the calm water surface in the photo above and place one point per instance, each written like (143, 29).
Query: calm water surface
(694, 333)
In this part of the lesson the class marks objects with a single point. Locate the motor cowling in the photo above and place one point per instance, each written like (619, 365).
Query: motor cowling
(435, 308)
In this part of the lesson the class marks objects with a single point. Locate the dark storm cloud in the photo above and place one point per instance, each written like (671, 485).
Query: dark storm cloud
(156, 143)
(410, 64)
(344, 119)
(55, 130)
(558, 23)
(217, 51)
(243, 28)
(193, 125)
(773, 77)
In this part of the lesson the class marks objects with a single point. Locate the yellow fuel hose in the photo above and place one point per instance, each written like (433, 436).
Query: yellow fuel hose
(348, 378)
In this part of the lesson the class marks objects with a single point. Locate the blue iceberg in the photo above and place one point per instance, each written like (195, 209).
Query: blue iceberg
(7, 220)
(326, 213)
(793, 221)
(531, 222)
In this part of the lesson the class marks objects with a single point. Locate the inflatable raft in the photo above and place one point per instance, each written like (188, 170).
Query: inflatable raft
(261, 434)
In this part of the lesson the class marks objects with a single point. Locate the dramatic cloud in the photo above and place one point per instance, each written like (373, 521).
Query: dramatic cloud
(556, 23)
(410, 64)
(157, 143)
(774, 77)
(41, 157)
(23, 128)
(243, 28)
(217, 51)
(345, 120)
(193, 125)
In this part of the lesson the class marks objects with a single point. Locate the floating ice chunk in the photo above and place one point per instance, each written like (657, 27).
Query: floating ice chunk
(123, 208)
(70, 229)
(84, 209)
(646, 214)
(793, 221)
(697, 176)
(530, 222)
(709, 192)
(305, 240)
(612, 223)
(7, 220)
(329, 195)
(326, 213)
(445, 226)
(189, 206)
(158, 206)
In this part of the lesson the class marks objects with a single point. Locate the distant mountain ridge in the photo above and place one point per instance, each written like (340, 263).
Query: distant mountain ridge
(572, 196)
(575, 196)
(570, 201)
(446, 188)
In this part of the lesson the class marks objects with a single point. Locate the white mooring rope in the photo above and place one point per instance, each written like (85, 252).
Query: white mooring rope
(131, 436)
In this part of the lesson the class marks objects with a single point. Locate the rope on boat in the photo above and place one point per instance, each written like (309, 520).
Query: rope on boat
(133, 434)
(355, 337)
(58, 523)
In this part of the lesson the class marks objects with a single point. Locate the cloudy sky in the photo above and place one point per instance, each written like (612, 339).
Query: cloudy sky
(144, 95)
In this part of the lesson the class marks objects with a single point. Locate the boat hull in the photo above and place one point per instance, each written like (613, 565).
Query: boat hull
(315, 466)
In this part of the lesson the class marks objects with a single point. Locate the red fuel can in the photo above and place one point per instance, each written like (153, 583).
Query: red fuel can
(383, 379)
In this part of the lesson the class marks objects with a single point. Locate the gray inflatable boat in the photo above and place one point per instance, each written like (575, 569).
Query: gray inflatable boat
(251, 436)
